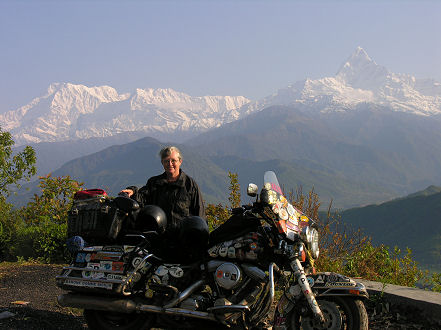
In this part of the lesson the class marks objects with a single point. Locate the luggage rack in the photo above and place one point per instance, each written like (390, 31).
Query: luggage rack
(100, 283)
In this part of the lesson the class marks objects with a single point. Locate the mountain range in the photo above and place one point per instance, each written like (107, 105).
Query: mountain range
(365, 135)
(359, 80)
(71, 112)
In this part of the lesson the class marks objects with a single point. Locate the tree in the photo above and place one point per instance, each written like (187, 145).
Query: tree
(14, 168)
(234, 197)
(43, 232)
(54, 202)
(218, 214)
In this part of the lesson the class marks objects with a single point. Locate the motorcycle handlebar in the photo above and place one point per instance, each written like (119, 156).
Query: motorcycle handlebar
(242, 209)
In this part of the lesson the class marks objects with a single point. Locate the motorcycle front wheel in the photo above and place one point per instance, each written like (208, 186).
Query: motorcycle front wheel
(340, 313)
(100, 320)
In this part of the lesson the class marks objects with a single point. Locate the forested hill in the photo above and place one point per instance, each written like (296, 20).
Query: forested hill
(413, 221)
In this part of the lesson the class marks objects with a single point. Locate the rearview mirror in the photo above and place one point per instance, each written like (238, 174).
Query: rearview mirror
(252, 190)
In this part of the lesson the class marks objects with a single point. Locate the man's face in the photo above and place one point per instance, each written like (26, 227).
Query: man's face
(172, 164)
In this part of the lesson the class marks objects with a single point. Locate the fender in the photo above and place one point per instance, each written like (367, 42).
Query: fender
(334, 284)
(323, 284)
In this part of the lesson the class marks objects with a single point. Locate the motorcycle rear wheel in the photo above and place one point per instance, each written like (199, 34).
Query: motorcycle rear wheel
(100, 320)
(340, 314)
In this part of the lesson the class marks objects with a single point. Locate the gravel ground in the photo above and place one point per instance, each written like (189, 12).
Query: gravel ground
(29, 292)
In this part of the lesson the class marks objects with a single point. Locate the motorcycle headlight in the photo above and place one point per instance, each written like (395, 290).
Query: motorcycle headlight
(310, 236)
(314, 245)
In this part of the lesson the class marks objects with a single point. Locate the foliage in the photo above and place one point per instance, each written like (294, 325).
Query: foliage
(434, 282)
(379, 264)
(44, 242)
(9, 222)
(218, 214)
(53, 203)
(14, 168)
(234, 188)
(38, 230)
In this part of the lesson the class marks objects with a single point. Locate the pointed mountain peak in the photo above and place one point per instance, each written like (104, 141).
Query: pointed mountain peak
(360, 71)
(360, 55)
(359, 60)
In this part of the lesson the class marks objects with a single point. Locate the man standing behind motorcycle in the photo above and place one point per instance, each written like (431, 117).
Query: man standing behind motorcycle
(173, 191)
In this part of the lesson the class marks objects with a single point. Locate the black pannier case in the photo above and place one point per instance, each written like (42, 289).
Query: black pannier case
(95, 219)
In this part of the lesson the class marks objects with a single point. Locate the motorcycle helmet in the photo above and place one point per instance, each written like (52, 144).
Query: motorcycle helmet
(194, 232)
(151, 218)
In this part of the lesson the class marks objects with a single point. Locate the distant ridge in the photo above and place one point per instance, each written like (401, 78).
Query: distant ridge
(413, 221)
(431, 190)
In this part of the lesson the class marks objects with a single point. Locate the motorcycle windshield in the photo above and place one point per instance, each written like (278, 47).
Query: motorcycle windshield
(290, 220)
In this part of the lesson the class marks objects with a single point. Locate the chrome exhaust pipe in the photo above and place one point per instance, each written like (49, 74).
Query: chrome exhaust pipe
(129, 306)
(97, 303)
(185, 294)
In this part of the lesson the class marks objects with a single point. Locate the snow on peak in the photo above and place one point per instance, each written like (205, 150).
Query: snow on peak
(359, 80)
(69, 111)
(360, 71)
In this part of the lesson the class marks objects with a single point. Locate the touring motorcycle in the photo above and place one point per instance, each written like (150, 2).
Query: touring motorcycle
(226, 278)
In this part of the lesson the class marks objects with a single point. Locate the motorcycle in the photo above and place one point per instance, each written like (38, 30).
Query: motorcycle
(226, 278)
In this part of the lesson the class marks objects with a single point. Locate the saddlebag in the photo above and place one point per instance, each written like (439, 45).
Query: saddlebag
(96, 219)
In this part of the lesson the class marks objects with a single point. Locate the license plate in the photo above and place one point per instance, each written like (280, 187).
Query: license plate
(88, 284)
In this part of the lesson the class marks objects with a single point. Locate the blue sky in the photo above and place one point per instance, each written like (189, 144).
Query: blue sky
(248, 48)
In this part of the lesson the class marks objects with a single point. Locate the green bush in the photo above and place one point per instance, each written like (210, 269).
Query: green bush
(377, 263)
(9, 223)
(217, 214)
(38, 231)
(435, 282)
(45, 243)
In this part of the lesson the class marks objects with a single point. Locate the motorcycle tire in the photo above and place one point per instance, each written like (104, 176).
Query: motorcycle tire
(340, 313)
(100, 320)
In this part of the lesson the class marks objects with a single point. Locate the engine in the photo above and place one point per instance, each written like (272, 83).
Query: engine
(236, 283)
(228, 275)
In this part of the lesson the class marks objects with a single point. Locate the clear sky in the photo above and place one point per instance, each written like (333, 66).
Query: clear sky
(249, 48)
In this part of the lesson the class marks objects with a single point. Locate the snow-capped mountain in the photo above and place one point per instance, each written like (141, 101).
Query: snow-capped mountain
(69, 112)
(359, 80)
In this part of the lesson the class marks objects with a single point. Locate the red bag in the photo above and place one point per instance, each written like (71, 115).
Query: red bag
(89, 193)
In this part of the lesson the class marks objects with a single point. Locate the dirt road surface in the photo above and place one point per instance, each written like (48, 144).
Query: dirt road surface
(29, 292)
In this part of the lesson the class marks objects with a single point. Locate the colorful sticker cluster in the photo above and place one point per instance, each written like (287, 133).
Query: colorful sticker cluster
(164, 272)
(290, 219)
(241, 248)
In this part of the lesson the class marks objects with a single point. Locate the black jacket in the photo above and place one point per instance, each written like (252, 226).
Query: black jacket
(178, 199)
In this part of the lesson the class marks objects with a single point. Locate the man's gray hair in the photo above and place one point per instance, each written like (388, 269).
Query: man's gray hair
(166, 151)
